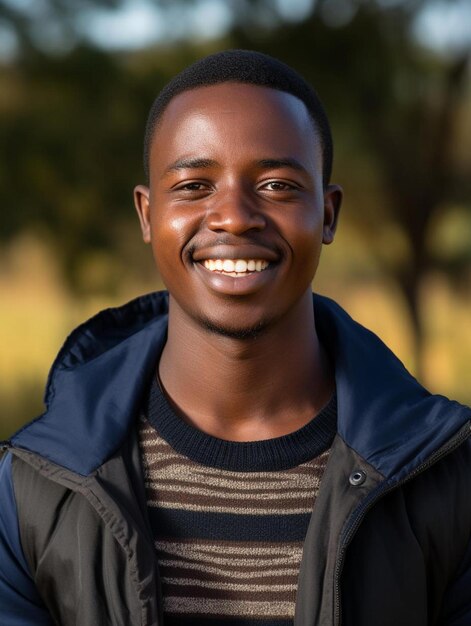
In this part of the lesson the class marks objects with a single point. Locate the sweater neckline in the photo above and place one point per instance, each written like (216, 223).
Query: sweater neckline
(274, 454)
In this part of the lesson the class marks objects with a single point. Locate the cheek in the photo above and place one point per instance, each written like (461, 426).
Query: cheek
(176, 225)
(170, 233)
(305, 235)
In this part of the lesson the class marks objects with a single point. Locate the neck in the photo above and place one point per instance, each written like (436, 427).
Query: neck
(246, 389)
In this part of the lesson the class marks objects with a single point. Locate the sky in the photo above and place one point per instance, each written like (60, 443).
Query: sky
(442, 25)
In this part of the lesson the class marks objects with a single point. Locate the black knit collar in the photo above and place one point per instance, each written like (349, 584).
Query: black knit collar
(254, 456)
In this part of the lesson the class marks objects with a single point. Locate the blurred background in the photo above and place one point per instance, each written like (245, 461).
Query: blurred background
(77, 78)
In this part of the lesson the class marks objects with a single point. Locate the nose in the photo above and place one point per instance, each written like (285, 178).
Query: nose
(235, 212)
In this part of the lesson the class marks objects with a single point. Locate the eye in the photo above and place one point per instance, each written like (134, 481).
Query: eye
(191, 189)
(194, 186)
(279, 185)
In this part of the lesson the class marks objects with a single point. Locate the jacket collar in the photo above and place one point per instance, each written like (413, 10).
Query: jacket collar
(99, 378)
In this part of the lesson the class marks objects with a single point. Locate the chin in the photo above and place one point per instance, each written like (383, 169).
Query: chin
(235, 332)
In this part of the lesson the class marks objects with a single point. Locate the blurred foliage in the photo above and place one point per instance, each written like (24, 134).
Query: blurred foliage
(34, 24)
(71, 129)
(44, 24)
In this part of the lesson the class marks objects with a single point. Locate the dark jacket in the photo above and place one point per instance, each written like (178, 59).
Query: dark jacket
(388, 543)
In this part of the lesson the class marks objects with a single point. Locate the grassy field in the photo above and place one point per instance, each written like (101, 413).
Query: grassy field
(37, 313)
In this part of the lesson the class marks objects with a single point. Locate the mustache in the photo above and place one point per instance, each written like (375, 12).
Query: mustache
(226, 239)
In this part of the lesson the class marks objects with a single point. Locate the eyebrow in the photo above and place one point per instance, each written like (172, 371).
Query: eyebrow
(201, 163)
(190, 164)
(283, 162)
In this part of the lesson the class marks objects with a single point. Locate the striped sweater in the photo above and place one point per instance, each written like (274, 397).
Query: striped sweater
(229, 518)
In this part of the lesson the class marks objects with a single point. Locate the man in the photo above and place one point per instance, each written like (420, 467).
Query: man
(237, 452)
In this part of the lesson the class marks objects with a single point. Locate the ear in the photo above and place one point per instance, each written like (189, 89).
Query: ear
(141, 202)
(332, 201)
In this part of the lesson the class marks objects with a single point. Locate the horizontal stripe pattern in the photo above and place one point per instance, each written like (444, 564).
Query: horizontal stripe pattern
(211, 620)
(193, 487)
(228, 541)
(209, 606)
(243, 578)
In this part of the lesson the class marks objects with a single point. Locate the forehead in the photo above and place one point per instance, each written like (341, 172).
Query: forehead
(246, 115)
(229, 94)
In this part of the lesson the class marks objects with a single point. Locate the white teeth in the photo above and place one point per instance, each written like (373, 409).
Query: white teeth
(235, 266)
(240, 266)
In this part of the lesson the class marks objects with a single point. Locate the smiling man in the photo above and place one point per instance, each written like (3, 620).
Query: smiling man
(236, 452)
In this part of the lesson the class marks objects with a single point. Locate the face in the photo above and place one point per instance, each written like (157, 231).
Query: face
(236, 212)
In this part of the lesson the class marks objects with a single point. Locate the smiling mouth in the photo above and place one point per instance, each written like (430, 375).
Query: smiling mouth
(235, 267)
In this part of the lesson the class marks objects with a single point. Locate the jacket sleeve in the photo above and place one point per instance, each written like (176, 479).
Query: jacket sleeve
(20, 604)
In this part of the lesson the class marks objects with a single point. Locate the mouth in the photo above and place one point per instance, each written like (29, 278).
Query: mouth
(237, 268)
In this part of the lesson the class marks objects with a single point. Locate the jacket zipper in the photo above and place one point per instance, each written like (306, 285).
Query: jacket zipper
(449, 447)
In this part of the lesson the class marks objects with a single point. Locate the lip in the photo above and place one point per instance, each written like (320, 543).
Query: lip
(245, 251)
(225, 284)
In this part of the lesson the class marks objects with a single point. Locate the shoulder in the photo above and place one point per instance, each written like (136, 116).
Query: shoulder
(18, 594)
(437, 507)
(8, 511)
(38, 502)
(446, 482)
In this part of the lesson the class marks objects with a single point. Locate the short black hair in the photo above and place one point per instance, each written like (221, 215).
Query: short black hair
(250, 67)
